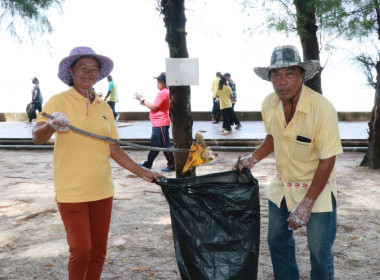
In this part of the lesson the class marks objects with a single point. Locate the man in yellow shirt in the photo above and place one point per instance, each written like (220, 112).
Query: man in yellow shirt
(215, 113)
(302, 131)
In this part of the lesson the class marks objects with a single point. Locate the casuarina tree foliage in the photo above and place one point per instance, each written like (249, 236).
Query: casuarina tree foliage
(27, 17)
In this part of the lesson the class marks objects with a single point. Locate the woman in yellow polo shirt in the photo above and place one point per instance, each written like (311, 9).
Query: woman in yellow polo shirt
(224, 94)
(82, 171)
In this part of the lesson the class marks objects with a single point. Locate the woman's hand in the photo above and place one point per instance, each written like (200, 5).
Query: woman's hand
(60, 122)
(151, 177)
(121, 157)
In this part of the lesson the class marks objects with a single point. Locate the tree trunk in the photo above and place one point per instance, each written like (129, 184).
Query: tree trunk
(307, 31)
(180, 105)
(372, 157)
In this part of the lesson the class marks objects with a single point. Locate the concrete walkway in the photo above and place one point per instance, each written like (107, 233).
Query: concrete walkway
(251, 133)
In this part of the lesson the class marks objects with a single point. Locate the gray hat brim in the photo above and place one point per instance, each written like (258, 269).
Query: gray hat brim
(311, 68)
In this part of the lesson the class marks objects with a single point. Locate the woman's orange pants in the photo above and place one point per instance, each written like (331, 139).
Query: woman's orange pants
(87, 225)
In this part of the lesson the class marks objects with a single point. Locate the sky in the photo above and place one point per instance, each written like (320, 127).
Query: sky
(132, 34)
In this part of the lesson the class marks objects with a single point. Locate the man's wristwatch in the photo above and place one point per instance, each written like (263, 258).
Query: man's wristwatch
(142, 101)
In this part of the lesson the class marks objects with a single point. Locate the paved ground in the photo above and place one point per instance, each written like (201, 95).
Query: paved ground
(139, 130)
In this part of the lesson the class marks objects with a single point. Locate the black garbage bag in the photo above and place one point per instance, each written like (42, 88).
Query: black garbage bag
(216, 225)
(31, 111)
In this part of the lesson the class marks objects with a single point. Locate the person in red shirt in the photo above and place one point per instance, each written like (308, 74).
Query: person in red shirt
(160, 120)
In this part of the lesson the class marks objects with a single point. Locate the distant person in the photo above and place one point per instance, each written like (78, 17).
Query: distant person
(224, 94)
(215, 113)
(112, 97)
(160, 119)
(36, 103)
(36, 95)
(232, 85)
(82, 170)
(302, 131)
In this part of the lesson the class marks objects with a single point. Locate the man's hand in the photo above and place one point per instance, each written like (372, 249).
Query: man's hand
(60, 122)
(301, 214)
(247, 162)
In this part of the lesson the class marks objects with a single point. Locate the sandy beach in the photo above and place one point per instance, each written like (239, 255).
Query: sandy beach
(33, 242)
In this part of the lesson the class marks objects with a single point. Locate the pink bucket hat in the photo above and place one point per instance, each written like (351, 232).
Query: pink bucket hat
(105, 64)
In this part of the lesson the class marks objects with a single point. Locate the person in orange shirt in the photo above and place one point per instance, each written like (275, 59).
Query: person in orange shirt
(160, 120)
(302, 131)
(82, 170)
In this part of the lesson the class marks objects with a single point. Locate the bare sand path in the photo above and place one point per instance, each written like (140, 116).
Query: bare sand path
(32, 237)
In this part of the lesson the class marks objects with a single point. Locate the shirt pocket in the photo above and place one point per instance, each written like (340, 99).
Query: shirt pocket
(301, 150)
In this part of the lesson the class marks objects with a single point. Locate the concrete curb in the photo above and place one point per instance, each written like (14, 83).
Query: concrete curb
(214, 148)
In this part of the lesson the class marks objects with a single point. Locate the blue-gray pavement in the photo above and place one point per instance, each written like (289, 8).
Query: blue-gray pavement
(129, 130)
